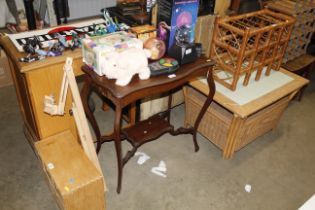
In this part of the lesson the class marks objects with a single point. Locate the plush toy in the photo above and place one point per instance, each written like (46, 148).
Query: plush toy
(123, 65)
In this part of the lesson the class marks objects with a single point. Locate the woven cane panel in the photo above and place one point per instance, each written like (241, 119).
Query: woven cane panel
(217, 120)
(215, 123)
(261, 122)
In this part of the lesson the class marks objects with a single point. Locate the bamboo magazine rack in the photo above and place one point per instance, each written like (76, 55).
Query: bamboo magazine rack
(247, 43)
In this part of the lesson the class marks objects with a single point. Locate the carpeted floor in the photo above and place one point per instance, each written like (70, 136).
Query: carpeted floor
(279, 166)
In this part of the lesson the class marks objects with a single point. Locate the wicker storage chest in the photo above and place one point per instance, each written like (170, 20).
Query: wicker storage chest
(216, 123)
(247, 43)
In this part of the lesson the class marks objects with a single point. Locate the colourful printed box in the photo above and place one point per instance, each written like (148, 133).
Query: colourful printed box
(177, 18)
(95, 48)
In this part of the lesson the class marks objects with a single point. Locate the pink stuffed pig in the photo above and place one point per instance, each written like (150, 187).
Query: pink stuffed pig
(123, 65)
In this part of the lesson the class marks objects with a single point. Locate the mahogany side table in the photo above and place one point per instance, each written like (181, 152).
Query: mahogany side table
(157, 125)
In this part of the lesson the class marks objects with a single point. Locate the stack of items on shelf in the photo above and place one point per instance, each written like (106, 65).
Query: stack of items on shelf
(247, 43)
(304, 12)
(129, 7)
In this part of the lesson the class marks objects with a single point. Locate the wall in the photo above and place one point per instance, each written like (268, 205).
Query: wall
(84, 8)
(78, 8)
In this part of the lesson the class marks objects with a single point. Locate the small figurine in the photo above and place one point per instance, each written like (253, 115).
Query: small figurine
(56, 49)
(163, 30)
(99, 30)
(62, 40)
(76, 41)
(41, 52)
(123, 27)
(31, 45)
(110, 24)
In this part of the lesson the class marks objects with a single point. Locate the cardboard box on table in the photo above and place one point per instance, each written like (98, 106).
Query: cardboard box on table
(72, 177)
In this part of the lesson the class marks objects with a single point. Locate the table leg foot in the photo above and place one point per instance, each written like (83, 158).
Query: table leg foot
(98, 146)
(195, 141)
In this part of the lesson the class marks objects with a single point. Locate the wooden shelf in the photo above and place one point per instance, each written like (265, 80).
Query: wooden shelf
(147, 130)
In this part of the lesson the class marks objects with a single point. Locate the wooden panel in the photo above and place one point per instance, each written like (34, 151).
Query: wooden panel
(23, 97)
(72, 177)
(299, 63)
(30, 91)
(204, 31)
(47, 81)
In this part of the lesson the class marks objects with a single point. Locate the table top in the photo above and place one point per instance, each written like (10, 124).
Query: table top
(137, 88)
(259, 103)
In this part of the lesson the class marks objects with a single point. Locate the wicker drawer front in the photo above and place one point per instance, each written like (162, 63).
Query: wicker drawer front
(216, 121)
(261, 122)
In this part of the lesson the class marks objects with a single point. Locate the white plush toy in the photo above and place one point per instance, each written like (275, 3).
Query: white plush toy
(123, 65)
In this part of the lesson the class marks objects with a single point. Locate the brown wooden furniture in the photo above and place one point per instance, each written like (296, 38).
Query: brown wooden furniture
(35, 80)
(246, 43)
(304, 27)
(157, 125)
(32, 82)
(231, 126)
(302, 66)
(204, 31)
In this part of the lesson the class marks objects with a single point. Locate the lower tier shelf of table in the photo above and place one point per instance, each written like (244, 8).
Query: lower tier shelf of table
(147, 130)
